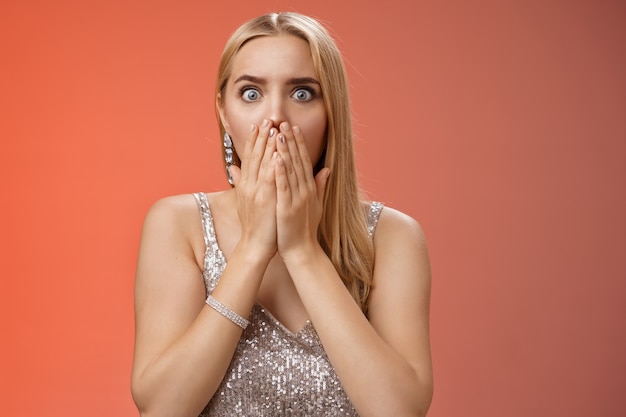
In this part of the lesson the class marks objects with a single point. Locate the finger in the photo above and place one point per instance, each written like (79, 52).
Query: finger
(283, 190)
(258, 150)
(247, 150)
(307, 164)
(282, 146)
(266, 171)
(270, 148)
(295, 153)
(321, 179)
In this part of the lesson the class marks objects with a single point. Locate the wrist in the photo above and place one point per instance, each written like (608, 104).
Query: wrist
(253, 253)
(309, 253)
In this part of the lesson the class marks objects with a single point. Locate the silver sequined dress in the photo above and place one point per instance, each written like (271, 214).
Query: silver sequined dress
(274, 372)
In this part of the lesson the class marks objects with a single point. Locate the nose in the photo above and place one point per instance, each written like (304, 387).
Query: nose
(277, 111)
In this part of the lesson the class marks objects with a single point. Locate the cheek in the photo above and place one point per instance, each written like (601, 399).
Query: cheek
(238, 129)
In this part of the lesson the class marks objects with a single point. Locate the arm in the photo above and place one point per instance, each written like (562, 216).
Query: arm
(384, 364)
(179, 362)
(182, 346)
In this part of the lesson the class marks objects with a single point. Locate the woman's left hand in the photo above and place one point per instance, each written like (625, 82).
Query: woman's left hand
(299, 194)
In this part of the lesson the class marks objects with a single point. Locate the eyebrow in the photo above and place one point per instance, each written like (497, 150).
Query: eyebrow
(292, 81)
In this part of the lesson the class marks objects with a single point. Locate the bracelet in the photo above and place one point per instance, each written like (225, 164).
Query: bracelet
(227, 312)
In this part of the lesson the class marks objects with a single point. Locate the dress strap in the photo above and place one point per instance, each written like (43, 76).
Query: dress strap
(372, 217)
(214, 260)
(207, 220)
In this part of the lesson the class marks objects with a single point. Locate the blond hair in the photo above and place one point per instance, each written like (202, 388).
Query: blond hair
(343, 228)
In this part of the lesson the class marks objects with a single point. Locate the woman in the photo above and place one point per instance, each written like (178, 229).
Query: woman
(322, 307)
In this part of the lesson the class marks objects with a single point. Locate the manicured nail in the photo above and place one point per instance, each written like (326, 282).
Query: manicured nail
(296, 130)
(281, 138)
(266, 123)
(272, 132)
(284, 126)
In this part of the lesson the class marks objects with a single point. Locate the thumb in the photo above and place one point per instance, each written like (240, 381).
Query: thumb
(320, 182)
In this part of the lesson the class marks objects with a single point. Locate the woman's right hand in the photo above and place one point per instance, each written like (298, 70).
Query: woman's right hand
(255, 187)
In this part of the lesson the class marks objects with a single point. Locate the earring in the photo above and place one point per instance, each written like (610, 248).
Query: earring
(228, 156)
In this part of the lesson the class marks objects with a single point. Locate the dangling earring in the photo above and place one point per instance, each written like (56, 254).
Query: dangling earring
(228, 156)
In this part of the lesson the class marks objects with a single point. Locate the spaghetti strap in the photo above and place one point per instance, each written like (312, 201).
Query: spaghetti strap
(207, 219)
(214, 260)
(372, 217)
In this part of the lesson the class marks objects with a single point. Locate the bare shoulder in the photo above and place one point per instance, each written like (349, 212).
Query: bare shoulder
(397, 228)
(173, 210)
(174, 222)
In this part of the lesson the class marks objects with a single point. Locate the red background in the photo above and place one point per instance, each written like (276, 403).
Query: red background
(500, 125)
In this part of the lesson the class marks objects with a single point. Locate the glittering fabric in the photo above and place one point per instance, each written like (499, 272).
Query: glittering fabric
(274, 372)
(372, 217)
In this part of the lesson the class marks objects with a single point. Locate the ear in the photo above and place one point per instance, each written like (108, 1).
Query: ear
(219, 105)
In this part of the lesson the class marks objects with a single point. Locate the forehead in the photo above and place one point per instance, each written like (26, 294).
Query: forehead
(274, 56)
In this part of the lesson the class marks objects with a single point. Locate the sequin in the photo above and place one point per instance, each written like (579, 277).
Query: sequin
(372, 217)
(273, 371)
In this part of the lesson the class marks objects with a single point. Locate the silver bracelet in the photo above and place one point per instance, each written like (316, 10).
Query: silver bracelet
(227, 312)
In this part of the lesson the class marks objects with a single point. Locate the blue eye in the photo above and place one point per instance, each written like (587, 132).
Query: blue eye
(250, 94)
(303, 94)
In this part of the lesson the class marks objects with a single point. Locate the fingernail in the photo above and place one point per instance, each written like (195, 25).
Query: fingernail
(281, 138)
(274, 155)
(272, 132)
(296, 130)
(284, 126)
(266, 123)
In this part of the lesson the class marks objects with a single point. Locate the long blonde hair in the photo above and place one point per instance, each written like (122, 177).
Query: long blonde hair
(343, 228)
